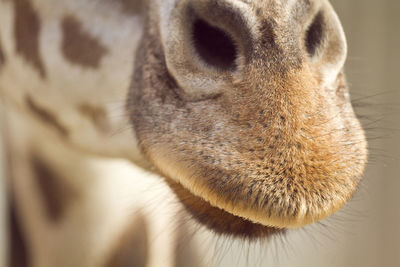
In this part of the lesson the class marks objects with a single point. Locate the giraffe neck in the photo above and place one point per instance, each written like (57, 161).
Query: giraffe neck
(73, 61)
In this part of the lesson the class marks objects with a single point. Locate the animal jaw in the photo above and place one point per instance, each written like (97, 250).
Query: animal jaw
(272, 139)
(241, 106)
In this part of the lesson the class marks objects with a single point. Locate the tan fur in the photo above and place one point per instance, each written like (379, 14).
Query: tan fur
(280, 144)
(255, 134)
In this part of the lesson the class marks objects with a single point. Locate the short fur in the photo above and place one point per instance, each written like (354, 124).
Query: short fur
(274, 141)
(252, 142)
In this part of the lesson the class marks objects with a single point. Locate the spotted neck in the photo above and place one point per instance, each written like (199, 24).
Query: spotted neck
(73, 70)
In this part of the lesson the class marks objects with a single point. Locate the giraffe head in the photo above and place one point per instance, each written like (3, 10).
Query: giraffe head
(243, 107)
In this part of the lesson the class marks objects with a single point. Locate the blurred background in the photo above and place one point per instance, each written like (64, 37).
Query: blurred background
(367, 231)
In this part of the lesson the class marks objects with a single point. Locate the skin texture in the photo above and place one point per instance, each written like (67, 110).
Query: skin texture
(272, 140)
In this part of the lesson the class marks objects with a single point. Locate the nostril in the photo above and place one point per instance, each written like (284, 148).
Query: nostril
(315, 34)
(213, 45)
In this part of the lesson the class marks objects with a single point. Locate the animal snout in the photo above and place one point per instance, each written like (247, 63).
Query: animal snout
(248, 114)
(209, 44)
(206, 43)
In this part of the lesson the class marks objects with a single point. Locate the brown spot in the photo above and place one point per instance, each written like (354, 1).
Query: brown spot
(132, 248)
(46, 116)
(78, 46)
(97, 115)
(26, 33)
(132, 7)
(56, 194)
(19, 254)
(2, 56)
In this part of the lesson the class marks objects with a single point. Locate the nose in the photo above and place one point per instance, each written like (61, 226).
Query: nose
(220, 33)
(213, 45)
(209, 42)
(206, 42)
(280, 145)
